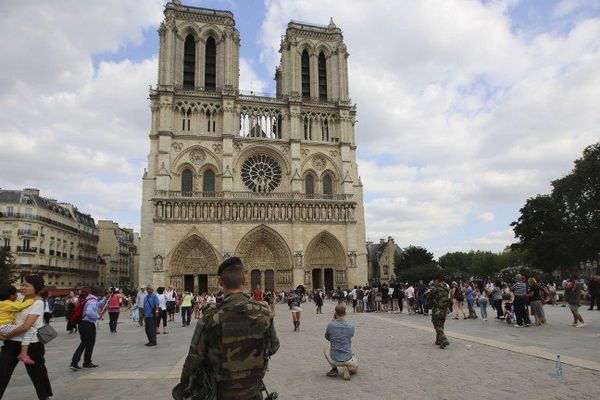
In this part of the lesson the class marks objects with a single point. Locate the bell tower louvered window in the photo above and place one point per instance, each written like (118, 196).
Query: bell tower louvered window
(189, 62)
(210, 65)
(322, 77)
(305, 69)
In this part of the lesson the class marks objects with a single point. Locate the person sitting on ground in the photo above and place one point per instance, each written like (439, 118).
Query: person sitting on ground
(9, 307)
(339, 333)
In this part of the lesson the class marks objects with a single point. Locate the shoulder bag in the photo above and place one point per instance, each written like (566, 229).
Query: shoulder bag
(46, 334)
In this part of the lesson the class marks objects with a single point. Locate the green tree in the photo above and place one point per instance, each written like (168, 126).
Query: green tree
(415, 263)
(7, 268)
(559, 230)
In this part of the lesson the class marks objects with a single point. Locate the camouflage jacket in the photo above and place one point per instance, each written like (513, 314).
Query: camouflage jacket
(437, 298)
(229, 350)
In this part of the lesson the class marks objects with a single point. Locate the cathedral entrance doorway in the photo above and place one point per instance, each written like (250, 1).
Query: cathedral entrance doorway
(328, 272)
(193, 265)
(268, 258)
(270, 280)
(203, 283)
(325, 253)
(316, 279)
(188, 283)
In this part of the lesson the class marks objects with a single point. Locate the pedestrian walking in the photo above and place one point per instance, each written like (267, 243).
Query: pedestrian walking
(482, 300)
(171, 297)
(113, 306)
(151, 312)
(319, 302)
(186, 308)
(28, 318)
(87, 331)
(457, 300)
(573, 298)
(520, 300)
(162, 311)
(139, 300)
(437, 298)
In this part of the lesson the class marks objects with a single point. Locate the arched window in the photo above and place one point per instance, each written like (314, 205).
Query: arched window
(305, 69)
(327, 186)
(189, 61)
(187, 182)
(309, 185)
(210, 65)
(208, 182)
(322, 77)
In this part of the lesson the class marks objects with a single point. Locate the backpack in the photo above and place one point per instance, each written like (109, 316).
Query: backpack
(458, 294)
(77, 315)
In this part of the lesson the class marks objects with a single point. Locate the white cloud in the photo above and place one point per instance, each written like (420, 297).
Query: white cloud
(492, 240)
(469, 114)
(249, 79)
(78, 134)
(486, 217)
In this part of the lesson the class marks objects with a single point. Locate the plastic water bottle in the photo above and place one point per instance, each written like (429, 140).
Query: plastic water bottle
(558, 372)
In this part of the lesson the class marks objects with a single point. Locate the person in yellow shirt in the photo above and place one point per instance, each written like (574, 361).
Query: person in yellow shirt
(9, 307)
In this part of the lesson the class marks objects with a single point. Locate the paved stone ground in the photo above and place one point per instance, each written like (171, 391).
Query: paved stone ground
(396, 355)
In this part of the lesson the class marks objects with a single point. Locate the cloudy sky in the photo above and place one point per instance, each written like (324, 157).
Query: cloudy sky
(465, 108)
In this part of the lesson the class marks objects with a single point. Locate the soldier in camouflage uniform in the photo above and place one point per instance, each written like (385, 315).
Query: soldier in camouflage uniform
(437, 298)
(231, 345)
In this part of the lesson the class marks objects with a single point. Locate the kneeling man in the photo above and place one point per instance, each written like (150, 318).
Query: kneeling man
(339, 334)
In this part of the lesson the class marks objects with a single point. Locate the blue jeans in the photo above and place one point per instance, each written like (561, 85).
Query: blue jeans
(483, 303)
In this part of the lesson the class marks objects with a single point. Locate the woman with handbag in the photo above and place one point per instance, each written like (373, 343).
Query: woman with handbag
(29, 317)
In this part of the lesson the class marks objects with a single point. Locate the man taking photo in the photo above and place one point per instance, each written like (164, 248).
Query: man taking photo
(339, 333)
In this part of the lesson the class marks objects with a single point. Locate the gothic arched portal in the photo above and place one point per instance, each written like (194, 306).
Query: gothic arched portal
(262, 249)
(325, 262)
(193, 262)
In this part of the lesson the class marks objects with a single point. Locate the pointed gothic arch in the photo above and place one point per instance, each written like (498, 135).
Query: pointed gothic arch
(263, 248)
(193, 255)
(265, 254)
(325, 250)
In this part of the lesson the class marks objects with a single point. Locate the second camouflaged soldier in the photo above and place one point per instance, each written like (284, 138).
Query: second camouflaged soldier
(437, 299)
(231, 345)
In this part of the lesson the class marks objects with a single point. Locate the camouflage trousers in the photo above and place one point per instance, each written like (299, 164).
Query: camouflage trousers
(438, 319)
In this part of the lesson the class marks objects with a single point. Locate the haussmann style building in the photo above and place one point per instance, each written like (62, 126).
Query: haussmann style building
(49, 238)
(269, 178)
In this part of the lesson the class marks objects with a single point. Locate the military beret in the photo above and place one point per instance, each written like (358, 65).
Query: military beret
(231, 261)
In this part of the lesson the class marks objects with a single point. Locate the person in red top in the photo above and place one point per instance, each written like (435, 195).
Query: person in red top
(258, 293)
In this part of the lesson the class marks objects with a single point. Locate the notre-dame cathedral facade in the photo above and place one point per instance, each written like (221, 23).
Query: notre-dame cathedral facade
(271, 179)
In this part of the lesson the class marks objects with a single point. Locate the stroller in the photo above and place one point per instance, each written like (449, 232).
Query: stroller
(508, 313)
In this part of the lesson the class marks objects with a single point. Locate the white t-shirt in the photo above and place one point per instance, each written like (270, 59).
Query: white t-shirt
(170, 295)
(410, 292)
(162, 301)
(390, 291)
(211, 299)
(37, 308)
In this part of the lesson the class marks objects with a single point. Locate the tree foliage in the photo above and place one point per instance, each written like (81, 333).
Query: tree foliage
(559, 230)
(7, 268)
(413, 264)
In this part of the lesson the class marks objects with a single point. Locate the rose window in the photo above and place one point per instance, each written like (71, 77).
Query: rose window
(261, 173)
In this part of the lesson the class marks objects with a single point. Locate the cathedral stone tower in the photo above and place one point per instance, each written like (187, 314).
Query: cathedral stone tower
(271, 179)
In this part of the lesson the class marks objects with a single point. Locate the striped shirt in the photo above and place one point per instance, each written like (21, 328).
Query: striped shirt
(519, 288)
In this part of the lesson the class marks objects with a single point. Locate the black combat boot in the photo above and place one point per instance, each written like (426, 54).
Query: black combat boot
(444, 344)
(298, 325)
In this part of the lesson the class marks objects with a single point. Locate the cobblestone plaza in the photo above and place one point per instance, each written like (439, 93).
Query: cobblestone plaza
(397, 360)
